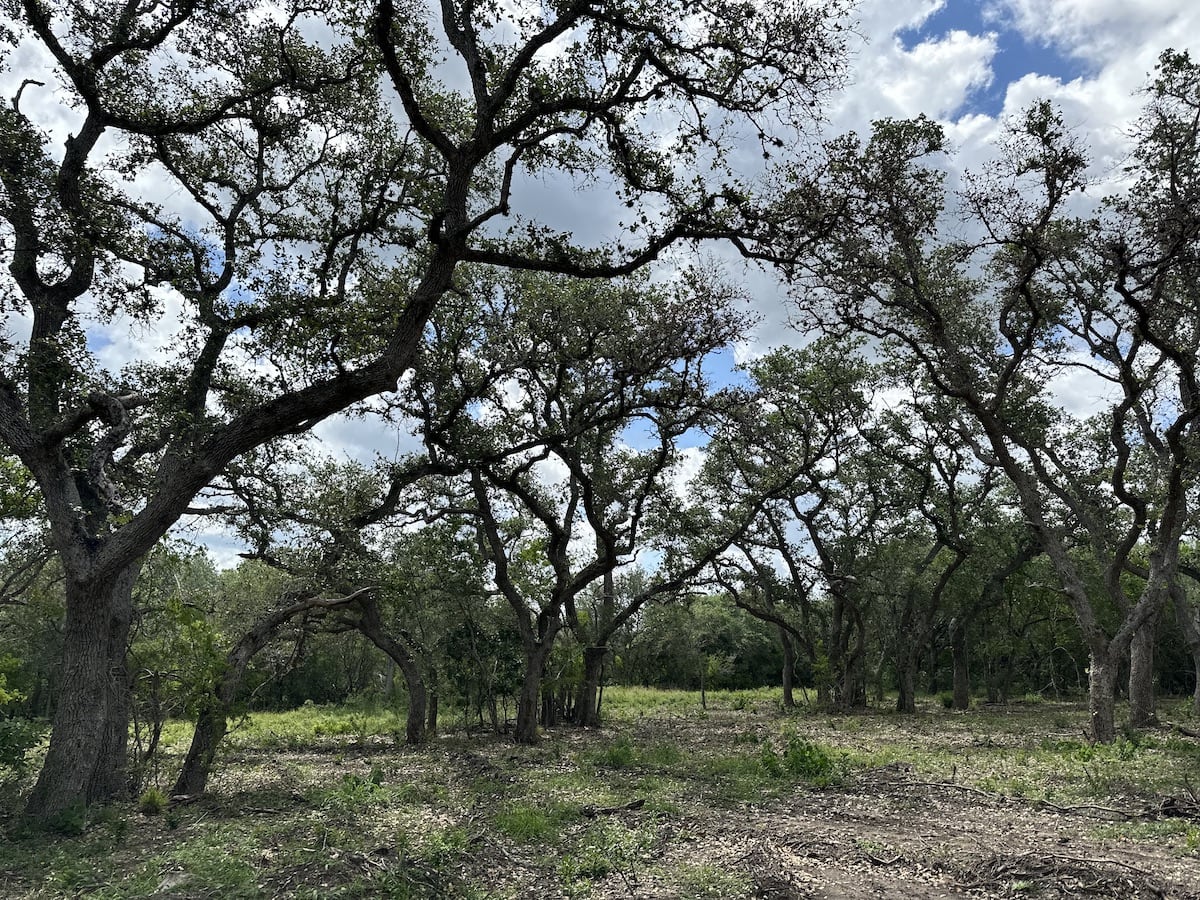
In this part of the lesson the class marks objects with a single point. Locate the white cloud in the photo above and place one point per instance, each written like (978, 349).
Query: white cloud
(1105, 31)
(935, 77)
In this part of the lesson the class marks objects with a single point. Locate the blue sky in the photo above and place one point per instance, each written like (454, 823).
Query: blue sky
(1016, 54)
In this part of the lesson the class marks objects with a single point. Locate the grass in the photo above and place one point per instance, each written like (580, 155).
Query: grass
(322, 801)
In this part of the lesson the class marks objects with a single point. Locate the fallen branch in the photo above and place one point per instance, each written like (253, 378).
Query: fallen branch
(592, 811)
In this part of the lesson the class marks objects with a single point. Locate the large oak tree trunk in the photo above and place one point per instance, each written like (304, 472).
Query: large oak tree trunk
(1142, 709)
(87, 759)
(529, 700)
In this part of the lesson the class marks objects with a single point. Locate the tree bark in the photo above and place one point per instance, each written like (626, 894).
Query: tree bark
(906, 682)
(1142, 708)
(587, 709)
(431, 712)
(1188, 624)
(962, 672)
(86, 762)
(789, 668)
(211, 725)
(1102, 684)
(529, 700)
(370, 624)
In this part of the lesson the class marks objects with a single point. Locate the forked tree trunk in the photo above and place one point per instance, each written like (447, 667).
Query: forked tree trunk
(1142, 709)
(1102, 684)
(86, 762)
(587, 707)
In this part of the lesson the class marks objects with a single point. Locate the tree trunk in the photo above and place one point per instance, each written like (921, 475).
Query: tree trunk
(962, 673)
(789, 669)
(1142, 711)
(587, 708)
(906, 681)
(1102, 684)
(431, 712)
(1190, 627)
(529, 699)
(1196, 688)
(211, 725)
(86, 762)
(371, 625)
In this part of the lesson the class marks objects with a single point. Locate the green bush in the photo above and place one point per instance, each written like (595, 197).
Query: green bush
(17, 737)
(152, 802)
(804, 759)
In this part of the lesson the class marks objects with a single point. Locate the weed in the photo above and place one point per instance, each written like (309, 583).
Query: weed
(606, 848)
(444, 846)
(809, 761)
(152, 802)
(526, 823)
(705, 881)
(617, 755)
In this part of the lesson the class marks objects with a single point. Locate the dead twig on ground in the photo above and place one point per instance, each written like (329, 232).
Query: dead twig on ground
(592, 811)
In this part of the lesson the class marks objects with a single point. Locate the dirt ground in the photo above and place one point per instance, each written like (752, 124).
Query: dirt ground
(661, 806)
(889, 834)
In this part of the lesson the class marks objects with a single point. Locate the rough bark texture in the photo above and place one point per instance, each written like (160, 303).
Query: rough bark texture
(1142, 708)
(211, 725)
(86, 761)
(529, 700)
(1102, 683)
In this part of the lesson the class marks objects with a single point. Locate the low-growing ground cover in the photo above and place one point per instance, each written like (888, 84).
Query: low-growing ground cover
(667, 800)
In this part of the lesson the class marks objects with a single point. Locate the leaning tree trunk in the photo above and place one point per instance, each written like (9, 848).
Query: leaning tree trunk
(211, 725)
(370, 624)
(587, 708)
(213, 720)
(86, 762)
(1142, 711)
(1102, 689)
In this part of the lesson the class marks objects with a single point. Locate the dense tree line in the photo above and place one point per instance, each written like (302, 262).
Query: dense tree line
(905, 498)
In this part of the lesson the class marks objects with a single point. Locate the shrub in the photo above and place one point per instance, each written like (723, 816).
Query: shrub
(807, 760)
(152, 802)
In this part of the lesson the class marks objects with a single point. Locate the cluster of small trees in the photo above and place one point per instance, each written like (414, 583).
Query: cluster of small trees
(319, 213)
